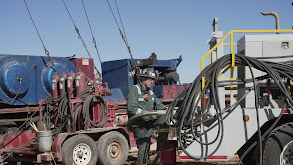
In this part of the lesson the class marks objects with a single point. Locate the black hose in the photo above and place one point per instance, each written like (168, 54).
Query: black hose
(21, 128)
(100, 122)
(19, 87)
(85, 110)
(190, 115)
(138, 116)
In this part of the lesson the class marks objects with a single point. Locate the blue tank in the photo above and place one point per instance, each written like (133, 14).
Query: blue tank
(26, 79)
(119, 74)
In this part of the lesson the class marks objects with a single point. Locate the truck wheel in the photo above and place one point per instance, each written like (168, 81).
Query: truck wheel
(79, 150)
(278, 148)
(112, 149)
(249, 157)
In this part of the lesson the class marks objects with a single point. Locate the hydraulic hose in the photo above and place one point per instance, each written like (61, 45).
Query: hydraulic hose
(147, 113)
(190, 116)
(86, 112)
(19, 87)
(21, 129)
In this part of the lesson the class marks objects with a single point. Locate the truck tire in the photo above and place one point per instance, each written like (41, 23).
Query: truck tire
(79, 150)
(249, 157)
(112, 149)
(276, 146)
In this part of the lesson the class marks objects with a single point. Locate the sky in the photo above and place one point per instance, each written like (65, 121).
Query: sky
(167, 27)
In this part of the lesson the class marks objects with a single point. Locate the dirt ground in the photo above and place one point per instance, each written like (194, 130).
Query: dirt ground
(133, 154)
(132, 161)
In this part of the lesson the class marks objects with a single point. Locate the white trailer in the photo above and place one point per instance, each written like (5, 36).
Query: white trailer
(221, 115)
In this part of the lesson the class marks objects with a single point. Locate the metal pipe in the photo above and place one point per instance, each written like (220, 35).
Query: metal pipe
(147, 113)
(138, 116)
(277, 18)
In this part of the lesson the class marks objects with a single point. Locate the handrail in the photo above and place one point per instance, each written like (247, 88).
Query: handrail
(231, 44)
(239, 31)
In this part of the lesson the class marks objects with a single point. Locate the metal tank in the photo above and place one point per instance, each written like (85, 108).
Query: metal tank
(70, 84)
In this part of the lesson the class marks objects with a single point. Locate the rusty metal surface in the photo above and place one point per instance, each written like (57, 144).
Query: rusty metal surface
(17, 110)
(15, 120)
(44, 157)
(96, 130)
(85, 65)
(17, 139)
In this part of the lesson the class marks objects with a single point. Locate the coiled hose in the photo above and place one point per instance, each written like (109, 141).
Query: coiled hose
(85, 110)
(190, 115)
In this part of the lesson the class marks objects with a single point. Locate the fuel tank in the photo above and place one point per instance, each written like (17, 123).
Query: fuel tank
(25, 79)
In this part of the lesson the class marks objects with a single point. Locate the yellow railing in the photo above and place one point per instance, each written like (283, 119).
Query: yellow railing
(231, 44)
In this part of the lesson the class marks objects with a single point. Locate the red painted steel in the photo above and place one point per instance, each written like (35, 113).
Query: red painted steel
(70, 84)
(211, 157)
(80, 82)
(218, 157)
(181, 88)
(169, 157)
(16, 110)
(55, 81)
(17, 139)
(57, 143)
(62, 84)
(85, 65)
(167, 91)
(111, 109)
(174, 92)
(101, 89)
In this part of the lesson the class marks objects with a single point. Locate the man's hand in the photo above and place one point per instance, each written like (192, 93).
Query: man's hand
(146, 118)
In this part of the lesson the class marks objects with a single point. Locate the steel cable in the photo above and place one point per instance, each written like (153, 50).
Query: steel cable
(123, 35)
(46, 51)
(79, 36)
(94, 40)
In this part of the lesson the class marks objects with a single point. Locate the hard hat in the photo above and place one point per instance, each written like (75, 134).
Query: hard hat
(149, 73)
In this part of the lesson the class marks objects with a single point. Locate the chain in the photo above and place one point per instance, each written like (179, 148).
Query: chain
(79, 36)
(121, 22)
(46, 51)
(133, 63)
(94, 40)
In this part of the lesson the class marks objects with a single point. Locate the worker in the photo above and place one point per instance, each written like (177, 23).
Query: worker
(140, 100)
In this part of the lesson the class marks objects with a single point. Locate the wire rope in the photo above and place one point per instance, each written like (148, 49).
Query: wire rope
(46, 51)
(80, 37)
(94, 40)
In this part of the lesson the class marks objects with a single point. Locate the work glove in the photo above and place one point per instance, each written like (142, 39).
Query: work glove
(154, 116)
(146, 118)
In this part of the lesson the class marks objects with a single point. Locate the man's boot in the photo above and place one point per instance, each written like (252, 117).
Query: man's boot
(162, 142)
